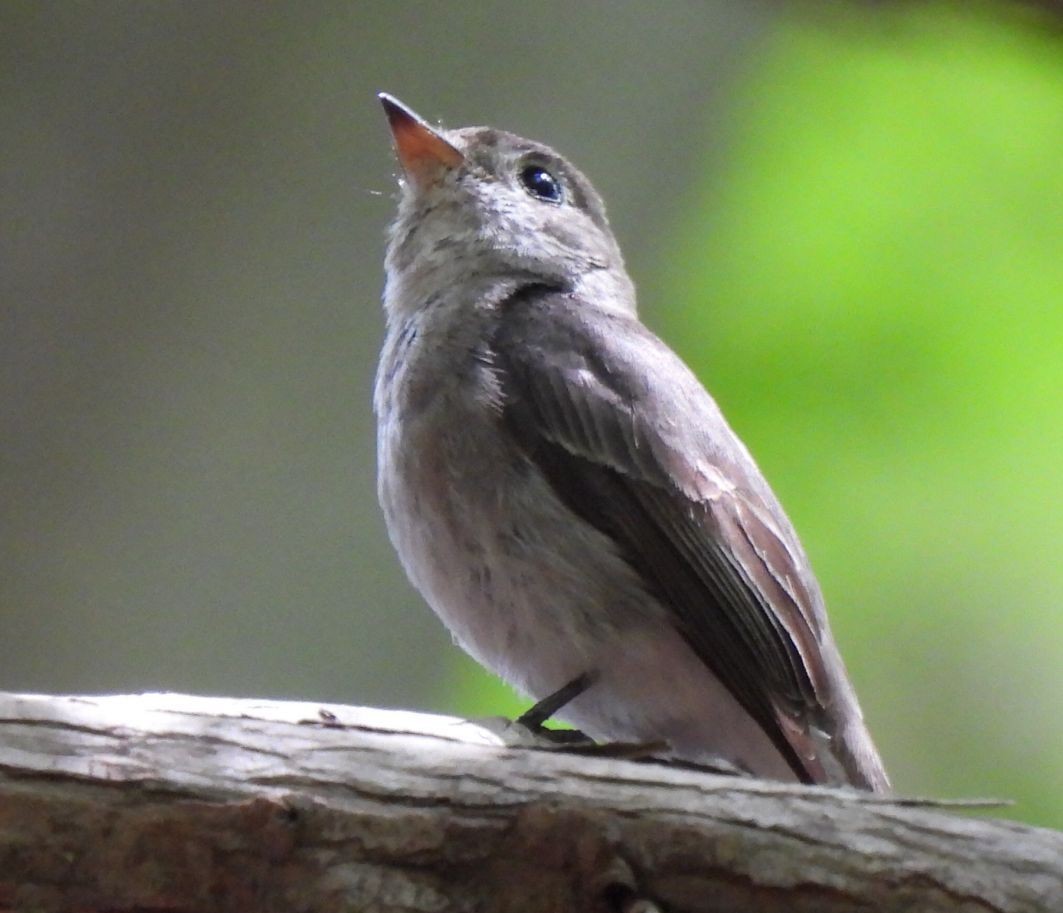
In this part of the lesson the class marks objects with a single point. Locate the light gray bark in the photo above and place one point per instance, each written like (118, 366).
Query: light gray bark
(184, 803)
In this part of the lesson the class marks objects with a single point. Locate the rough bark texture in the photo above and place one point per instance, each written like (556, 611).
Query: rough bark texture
(169, 802)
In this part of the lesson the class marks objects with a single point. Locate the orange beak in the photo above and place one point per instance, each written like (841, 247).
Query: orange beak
(422, 151)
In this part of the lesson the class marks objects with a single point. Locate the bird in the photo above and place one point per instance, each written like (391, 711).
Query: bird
(567, 496)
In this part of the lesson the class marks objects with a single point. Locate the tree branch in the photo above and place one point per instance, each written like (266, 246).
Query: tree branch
(169, 802)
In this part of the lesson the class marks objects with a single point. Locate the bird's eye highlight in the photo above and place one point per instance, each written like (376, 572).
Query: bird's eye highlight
(541, 184)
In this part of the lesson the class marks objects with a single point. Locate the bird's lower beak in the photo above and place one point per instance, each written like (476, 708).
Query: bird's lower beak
(422, 151)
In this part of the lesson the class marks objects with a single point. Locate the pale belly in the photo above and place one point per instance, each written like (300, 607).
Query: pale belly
(537, 595)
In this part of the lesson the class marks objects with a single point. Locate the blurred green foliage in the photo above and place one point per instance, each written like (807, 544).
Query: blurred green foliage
(873, 289)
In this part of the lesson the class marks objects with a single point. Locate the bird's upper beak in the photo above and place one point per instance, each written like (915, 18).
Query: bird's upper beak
(423, 152)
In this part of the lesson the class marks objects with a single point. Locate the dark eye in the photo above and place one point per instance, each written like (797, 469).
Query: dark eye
(540, 183)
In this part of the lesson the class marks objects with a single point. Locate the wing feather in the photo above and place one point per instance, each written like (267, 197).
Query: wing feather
(632, 443)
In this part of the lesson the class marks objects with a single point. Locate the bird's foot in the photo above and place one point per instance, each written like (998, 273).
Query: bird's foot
(529, 729)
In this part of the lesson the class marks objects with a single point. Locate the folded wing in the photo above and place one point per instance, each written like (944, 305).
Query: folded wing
(632, 444)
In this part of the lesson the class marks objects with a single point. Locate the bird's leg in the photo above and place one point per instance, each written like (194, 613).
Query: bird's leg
(534, 718)
(530, 724)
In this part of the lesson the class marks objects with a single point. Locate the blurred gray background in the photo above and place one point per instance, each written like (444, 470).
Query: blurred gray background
(194, 202)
